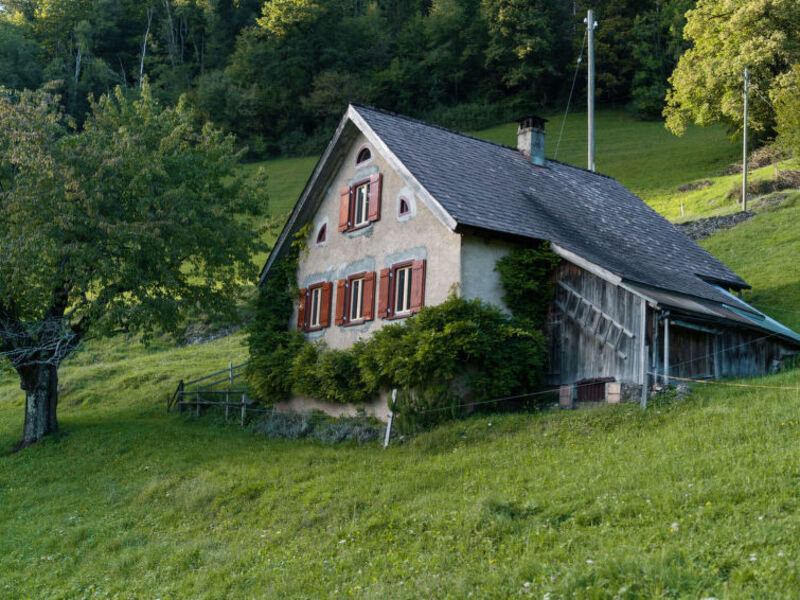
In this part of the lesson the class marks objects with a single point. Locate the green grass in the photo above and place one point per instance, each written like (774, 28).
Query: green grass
(134, 503)
(765, 252)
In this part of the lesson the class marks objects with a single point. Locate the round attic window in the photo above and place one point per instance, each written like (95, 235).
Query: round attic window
(363, 155)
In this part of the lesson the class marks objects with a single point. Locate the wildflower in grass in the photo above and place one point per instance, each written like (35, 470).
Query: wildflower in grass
(674, 527)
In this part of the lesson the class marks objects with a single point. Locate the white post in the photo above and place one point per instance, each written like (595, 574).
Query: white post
(391, 418)
(666, 352)
(744, 140)
(590, 25)
(643, 351)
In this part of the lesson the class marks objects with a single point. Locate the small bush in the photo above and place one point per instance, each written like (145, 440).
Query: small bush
(784, 180)
(293, 426)
(695, 185)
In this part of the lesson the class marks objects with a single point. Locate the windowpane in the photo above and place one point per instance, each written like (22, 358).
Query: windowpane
(402, 290)
(356, 299)
(316, 295)
(361, 209)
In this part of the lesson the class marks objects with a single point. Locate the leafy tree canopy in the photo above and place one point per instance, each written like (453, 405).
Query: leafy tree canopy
(726, 37)
(128, 224)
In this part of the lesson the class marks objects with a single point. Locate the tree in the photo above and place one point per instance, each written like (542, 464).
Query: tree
(726, 37)
(19, 64)
(657, 45)
(129, 224)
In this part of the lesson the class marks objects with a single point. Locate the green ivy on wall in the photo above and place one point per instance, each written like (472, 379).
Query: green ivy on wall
(455, 351)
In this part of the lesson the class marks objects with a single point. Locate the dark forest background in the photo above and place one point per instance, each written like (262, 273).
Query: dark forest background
(279, 73)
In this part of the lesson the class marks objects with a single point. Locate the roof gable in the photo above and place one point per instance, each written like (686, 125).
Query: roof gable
(351, 124)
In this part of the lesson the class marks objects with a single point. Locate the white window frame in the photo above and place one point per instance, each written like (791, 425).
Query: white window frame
(361, 196)
(314, 307)
(401, 291)
(355, 299)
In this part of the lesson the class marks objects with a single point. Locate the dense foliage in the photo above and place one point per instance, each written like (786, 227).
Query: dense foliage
(726, 36)
(128, 224)
(526, 276)
(458, 351)
(279, 73)
(273, 346)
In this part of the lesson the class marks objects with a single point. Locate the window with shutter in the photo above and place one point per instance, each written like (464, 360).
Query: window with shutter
(360, 204)
(405, 290)
(358, 300)
(314, 311)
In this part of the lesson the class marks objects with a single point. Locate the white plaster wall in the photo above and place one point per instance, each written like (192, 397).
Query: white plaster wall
(478, 276)
(390, 240)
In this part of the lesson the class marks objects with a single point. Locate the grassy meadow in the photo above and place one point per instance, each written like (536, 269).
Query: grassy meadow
(693, 498)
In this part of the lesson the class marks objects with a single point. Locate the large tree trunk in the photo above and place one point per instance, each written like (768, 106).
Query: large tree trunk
(40, 383)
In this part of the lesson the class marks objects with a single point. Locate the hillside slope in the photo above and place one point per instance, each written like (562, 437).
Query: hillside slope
(693, 498)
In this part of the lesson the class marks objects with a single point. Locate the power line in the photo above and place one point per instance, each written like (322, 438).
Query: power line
(572, 89)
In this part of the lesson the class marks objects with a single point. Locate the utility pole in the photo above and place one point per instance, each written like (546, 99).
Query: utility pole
(744, 140)
(590, 25)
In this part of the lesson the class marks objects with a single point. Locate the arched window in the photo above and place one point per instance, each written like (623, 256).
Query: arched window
(404, 209)
(322, 233)
(363, 156)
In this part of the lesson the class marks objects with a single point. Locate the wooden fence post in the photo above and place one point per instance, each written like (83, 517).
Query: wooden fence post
(244, 407)
(228, 394)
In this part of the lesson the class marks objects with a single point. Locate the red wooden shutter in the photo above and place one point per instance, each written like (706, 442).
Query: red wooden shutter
(383, 294)
(375, 197)
(325, 308)
(341, 287)
(417, 285)
(344, 209)
(368, 302)
(301, 310)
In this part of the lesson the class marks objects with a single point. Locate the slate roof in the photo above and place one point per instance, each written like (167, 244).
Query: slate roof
(495, 188)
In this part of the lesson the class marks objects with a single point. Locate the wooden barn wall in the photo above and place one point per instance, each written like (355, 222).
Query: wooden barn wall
(743, 353)
(730, 352)
(585, 344)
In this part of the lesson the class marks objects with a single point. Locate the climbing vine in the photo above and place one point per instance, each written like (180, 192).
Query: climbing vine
(460, 351)
(526, 275)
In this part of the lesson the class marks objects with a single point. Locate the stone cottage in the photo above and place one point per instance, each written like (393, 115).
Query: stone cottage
(404, 212)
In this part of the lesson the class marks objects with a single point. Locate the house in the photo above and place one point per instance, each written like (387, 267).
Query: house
(404, 212)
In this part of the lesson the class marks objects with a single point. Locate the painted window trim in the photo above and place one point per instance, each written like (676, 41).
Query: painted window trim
(375, 179)
(400, 211)
(393, 290)
(347, 299)
(322, 233)
(366, 160)
(354, 204)
(309, 295)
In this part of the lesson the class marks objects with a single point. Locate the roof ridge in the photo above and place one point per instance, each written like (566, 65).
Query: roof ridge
(469, 136)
